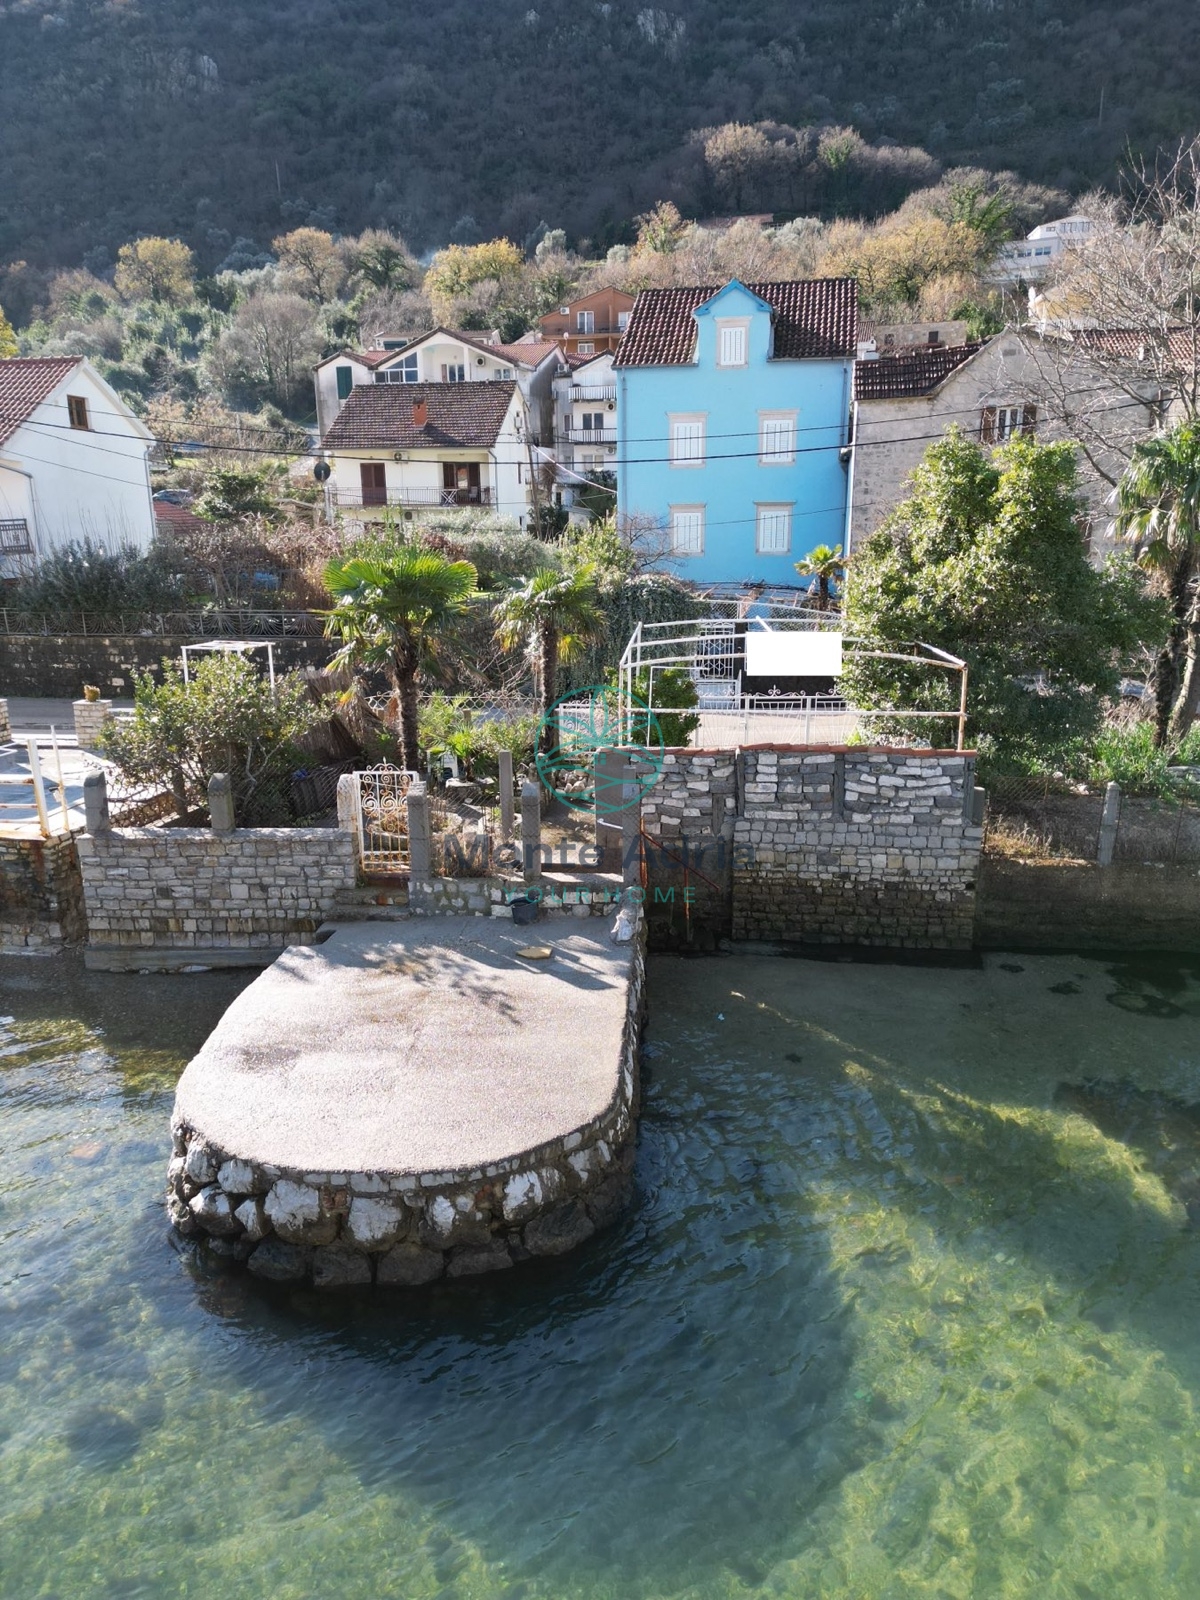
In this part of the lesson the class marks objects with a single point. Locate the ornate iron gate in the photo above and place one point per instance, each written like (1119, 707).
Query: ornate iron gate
(383, 818)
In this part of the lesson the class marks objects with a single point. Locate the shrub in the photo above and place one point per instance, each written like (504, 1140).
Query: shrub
(85, 576)
(227, 719)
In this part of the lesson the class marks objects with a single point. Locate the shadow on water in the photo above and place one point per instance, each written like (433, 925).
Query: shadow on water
(651, 1410)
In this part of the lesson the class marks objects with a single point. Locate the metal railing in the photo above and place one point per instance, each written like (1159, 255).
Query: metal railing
(713, 651)
(380, 499)
(578, 434)
(221, 622)
(594, 391)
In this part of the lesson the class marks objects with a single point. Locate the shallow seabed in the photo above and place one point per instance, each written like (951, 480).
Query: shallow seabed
(909, 1305)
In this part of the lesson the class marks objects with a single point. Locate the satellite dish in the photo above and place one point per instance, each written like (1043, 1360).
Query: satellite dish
(322, 471)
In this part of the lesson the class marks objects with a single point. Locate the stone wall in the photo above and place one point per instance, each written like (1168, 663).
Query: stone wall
(58, 665)
(41, 893)
(190, 889)
(403, 1229)
(855, 845)
(1076, 905)
(590, 896)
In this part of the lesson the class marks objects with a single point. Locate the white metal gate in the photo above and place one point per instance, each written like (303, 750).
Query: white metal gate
(382, 812)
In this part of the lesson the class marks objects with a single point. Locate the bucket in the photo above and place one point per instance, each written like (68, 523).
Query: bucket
(524, 910)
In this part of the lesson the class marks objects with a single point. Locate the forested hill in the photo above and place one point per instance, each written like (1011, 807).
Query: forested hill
(219, 119)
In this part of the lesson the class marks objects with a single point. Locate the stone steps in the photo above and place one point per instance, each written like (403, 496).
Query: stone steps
(370, 903)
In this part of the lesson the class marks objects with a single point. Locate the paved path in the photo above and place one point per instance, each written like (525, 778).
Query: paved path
(429, 1046)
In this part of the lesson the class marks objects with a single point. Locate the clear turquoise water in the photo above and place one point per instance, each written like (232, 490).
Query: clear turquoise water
(895, 1316)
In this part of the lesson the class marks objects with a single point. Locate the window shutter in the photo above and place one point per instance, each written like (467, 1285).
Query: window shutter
(987, 425)
(345, 382)
(1028, 418)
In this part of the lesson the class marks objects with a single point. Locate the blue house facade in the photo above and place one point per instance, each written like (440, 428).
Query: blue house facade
(733, 424)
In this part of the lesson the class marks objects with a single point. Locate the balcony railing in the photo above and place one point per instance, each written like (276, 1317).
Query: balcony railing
(593, 391)
(15, 539)
(380, 499)
(578, 435)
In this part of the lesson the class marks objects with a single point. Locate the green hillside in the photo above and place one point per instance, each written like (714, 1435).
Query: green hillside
(218, 121)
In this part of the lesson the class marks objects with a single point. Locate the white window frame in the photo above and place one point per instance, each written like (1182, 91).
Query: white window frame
(772, 455)
(687, 419)
(586, 348)
(622, 321)
(585, 322)
(764, 510)
(729, 326)
(696, 549)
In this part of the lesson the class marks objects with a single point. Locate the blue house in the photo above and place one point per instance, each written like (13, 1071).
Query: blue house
(733, 416)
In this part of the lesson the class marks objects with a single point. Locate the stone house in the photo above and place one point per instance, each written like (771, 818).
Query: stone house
(1019, 382)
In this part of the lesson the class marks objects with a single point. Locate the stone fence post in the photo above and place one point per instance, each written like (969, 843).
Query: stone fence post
(5, 724)
(220, 803)
(531, 832)
(420, 838)
(506, 796)
(1110, 819)
(95, 802)
(90, 717)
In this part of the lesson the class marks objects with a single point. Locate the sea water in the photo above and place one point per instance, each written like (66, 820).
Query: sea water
(908, 1305)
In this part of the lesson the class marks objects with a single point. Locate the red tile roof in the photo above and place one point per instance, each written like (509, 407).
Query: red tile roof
(182, 518)
(909, 373)
(814, 318)
(531, 354)
(379, 416)
(1130, 344)
(24, 383)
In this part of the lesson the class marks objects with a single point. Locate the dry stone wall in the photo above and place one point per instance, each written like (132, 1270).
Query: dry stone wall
(41, 894)
(404, 1229)
(845, 845)
(193, 889)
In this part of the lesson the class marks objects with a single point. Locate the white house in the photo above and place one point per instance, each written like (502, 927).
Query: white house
(430, 444)
(444, 356)
(1028, 260)
(585, 418)
(74, 462)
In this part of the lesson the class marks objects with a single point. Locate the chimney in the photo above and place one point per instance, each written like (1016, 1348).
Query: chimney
(420, 413)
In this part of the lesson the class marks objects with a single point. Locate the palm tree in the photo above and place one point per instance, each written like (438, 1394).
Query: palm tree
(389, 612)
(826, 564)
(1158, 512)
(552, 616)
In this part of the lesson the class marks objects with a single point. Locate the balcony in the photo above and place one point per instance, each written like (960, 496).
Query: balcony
(380, 499)
(577, 435)
(15, 538)
(593, 391)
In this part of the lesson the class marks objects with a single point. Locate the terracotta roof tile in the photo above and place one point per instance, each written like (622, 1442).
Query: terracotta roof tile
(814, 318)
(24, 383)
(379, 416)
(181, 518)
(909, 373)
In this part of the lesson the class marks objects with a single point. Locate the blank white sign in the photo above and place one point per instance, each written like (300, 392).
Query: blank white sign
(793, 654)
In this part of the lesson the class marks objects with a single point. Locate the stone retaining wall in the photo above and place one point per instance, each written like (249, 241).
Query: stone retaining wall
(484, 897)
(402, 1229)
(842, 845)
(58, 665)
(193, 889)
(41, 894)
(1077, 905)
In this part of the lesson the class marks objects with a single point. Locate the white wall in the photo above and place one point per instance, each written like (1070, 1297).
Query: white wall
(504, 470)
(86, 484)
(325, 383)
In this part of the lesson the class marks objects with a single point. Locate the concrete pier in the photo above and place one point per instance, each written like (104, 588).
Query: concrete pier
(414, 1099)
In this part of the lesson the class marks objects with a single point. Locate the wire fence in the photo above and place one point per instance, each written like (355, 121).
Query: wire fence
(1046, 816)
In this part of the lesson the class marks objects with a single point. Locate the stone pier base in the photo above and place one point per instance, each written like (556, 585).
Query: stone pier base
(391, 1224)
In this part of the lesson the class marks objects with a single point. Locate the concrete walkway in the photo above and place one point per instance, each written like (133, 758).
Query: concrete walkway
(425, 1047)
